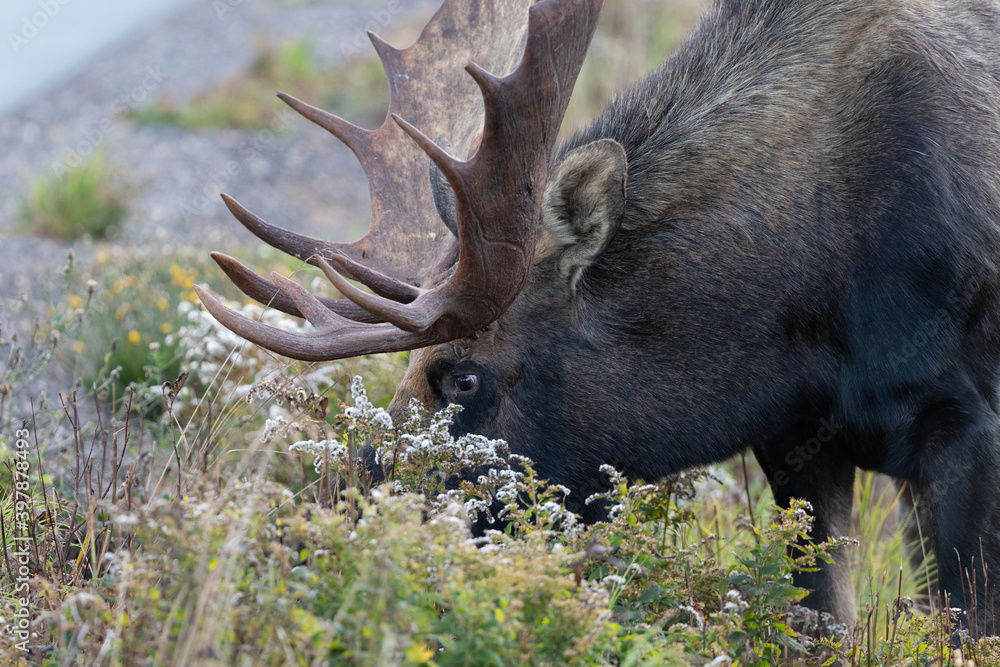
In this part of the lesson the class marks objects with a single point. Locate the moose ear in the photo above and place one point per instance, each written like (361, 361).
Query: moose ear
(583, 206)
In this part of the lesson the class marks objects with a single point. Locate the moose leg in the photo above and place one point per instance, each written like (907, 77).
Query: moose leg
(960, 485)
(824, 477)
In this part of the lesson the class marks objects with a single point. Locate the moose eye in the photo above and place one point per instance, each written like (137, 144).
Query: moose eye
(467, 383)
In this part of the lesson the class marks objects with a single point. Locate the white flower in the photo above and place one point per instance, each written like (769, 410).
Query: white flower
(325, 451)
(613, 580)
(697, 621)
(363, 415)
(271, 429)
(382, 419)
(616, 477)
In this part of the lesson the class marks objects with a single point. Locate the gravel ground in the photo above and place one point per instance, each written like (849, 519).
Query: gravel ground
(302, 179)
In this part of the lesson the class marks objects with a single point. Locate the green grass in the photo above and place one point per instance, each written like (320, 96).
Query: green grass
(887, 561)
(85, 200)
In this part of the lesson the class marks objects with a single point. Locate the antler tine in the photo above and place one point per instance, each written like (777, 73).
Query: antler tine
(354, 338)
(358, 139)
(489, 85)
(379, 283)
(388, 54)
(308, 249)
(445, 162)
(297, 245)
(267, 293)
(310, 306)
(416, 316)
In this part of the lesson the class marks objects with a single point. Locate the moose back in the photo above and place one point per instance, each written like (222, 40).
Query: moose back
(786, 238)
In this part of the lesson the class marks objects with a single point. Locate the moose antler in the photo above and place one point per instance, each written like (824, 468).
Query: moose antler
(422, 295)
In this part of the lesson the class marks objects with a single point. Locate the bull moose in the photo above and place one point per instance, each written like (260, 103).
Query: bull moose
(786, 238)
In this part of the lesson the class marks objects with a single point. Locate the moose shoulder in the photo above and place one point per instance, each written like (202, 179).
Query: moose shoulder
(786, 238)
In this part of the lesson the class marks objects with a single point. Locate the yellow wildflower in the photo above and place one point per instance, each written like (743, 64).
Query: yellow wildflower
(75, 301)
(418, 653)
(176, 274)
(162, 304)
(134, 337)
(182, 278)
(166, 328)
(79, 346)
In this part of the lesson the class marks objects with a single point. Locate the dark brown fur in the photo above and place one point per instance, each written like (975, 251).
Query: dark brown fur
(805, 262)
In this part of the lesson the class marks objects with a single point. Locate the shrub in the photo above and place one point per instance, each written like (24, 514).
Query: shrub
(85, 200)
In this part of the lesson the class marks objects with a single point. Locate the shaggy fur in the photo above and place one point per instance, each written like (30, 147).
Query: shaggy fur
(806, 264)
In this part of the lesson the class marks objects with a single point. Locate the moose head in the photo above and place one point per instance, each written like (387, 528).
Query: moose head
(462, 256)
